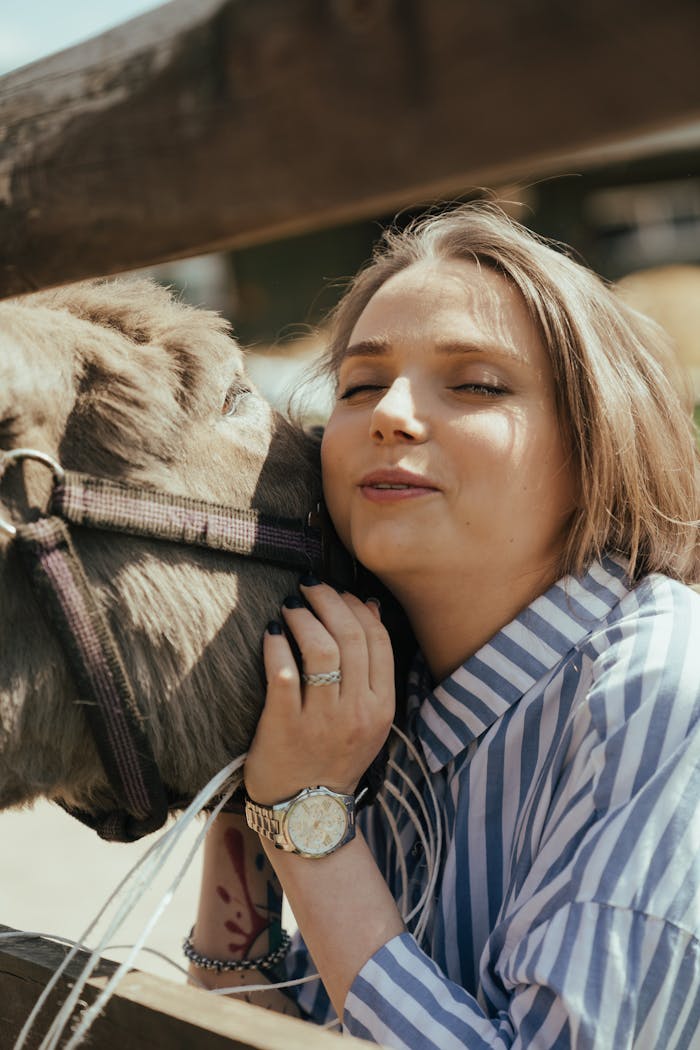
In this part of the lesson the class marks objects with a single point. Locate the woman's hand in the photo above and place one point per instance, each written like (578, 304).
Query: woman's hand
(322, 734)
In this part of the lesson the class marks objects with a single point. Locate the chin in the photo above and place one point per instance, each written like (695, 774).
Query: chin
(387, 560)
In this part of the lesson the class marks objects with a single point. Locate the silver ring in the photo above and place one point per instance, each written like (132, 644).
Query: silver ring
(322, 678)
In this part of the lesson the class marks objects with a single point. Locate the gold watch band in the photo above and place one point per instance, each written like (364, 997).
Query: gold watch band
(262, 820)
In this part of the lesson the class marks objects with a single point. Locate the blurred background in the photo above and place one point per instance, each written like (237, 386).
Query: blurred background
(636, 222)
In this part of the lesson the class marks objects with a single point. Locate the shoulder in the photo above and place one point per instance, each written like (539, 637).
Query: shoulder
(641, 667)
(656, 625)
(654, 597)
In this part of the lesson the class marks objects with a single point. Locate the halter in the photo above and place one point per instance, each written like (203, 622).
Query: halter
(61, 585)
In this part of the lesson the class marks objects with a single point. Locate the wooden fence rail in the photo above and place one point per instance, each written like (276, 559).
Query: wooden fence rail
(213, 123)
(146, 1011)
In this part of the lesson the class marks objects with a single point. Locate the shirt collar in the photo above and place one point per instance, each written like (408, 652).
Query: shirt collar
(479, 692)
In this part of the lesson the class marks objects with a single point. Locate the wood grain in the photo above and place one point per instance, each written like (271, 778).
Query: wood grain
(214, 123)
(147, 1011)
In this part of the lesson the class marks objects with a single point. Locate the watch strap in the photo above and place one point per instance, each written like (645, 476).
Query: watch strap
(269, 821)
(262, 819)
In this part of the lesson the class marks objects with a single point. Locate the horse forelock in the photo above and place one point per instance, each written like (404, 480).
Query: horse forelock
(144, 363)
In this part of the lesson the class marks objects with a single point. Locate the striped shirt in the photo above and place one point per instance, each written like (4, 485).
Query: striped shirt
(565, 760)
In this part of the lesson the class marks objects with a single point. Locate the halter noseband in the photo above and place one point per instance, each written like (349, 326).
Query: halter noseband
(53, 565)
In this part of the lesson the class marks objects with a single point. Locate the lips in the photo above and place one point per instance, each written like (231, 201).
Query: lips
(395, 483)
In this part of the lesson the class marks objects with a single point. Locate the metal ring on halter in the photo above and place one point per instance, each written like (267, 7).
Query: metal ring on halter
(322, 678)
(15, 454)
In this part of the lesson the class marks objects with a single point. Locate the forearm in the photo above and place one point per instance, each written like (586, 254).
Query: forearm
(240, 904)
(344, 909)
(325, 731)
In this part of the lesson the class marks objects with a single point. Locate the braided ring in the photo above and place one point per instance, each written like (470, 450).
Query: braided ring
(322, 678)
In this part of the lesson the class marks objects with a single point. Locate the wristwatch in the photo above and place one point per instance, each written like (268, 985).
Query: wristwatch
(314, 823)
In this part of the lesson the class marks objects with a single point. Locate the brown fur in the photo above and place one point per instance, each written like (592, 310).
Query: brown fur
(119, 379)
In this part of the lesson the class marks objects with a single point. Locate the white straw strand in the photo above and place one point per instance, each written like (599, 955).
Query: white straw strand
(389, 817)
(139, 876)
(133, 885)
(429, 858)
(100, 1002)
(239, 989)
(427, 828)
(410, 783)
(433, 856)
(433, 798)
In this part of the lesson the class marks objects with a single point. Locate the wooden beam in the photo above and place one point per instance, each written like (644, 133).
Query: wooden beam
(146, 1011)
(215, 123)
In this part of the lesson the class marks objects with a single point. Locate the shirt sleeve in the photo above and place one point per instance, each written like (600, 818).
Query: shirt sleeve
(401, 1000)
(599, 945)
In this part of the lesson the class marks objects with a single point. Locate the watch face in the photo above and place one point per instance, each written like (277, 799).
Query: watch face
(316, 824)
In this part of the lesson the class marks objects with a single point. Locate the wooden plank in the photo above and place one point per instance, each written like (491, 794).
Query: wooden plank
(25, 968)
(147, 1011)
(213, 123)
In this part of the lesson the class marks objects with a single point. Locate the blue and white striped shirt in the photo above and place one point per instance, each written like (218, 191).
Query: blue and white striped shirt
(565, 756)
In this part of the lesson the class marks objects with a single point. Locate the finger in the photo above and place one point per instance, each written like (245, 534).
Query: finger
(283, 684)
(341, 624)
(380, 655)
(319, 651)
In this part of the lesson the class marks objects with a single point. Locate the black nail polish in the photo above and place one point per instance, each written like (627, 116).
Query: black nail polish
(274, 627)
(292, 602)
(375, 601)
(307, 580)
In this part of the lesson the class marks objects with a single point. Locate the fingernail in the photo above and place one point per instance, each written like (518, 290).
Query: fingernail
(307, 580)
(375, 601)
(292, 602)
(274, 627)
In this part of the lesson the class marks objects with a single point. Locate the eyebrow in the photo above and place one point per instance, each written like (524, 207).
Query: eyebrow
(378, 347)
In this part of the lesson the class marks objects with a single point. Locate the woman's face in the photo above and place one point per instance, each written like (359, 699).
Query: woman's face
(443, 454)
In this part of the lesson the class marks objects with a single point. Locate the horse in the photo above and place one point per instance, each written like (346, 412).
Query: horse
(119, 379)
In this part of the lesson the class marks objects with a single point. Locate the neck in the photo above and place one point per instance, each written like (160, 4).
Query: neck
(453, 618)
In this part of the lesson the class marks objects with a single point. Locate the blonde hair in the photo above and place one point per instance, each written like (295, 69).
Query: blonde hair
(620, 396)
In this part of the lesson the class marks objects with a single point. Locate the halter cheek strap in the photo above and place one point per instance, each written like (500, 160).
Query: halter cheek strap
(110, 709)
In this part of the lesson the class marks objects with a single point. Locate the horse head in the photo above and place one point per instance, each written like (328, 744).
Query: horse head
(120, 380)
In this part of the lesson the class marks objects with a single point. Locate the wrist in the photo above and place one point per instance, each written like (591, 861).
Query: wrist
(264, 961)
(313, 823)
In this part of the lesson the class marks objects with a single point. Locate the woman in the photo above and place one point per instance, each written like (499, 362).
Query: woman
(509, 456)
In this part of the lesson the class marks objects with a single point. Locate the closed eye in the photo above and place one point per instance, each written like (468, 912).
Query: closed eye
(484, 389)
(360, 388)
(234, 395)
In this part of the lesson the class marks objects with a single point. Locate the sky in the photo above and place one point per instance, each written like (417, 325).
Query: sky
(30, 29)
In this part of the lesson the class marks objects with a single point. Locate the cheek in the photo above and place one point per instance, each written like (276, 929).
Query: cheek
(548, 468)
(484, 442)
(334, 472)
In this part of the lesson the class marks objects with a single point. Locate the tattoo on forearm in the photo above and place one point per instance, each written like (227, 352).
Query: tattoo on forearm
(247, 924)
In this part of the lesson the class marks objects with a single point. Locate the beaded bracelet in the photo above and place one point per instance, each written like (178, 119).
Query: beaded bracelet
(263, 962)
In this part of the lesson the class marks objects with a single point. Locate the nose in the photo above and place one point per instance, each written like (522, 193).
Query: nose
(397, 417)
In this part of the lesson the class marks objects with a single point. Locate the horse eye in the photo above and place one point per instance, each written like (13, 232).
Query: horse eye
(234, 395)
